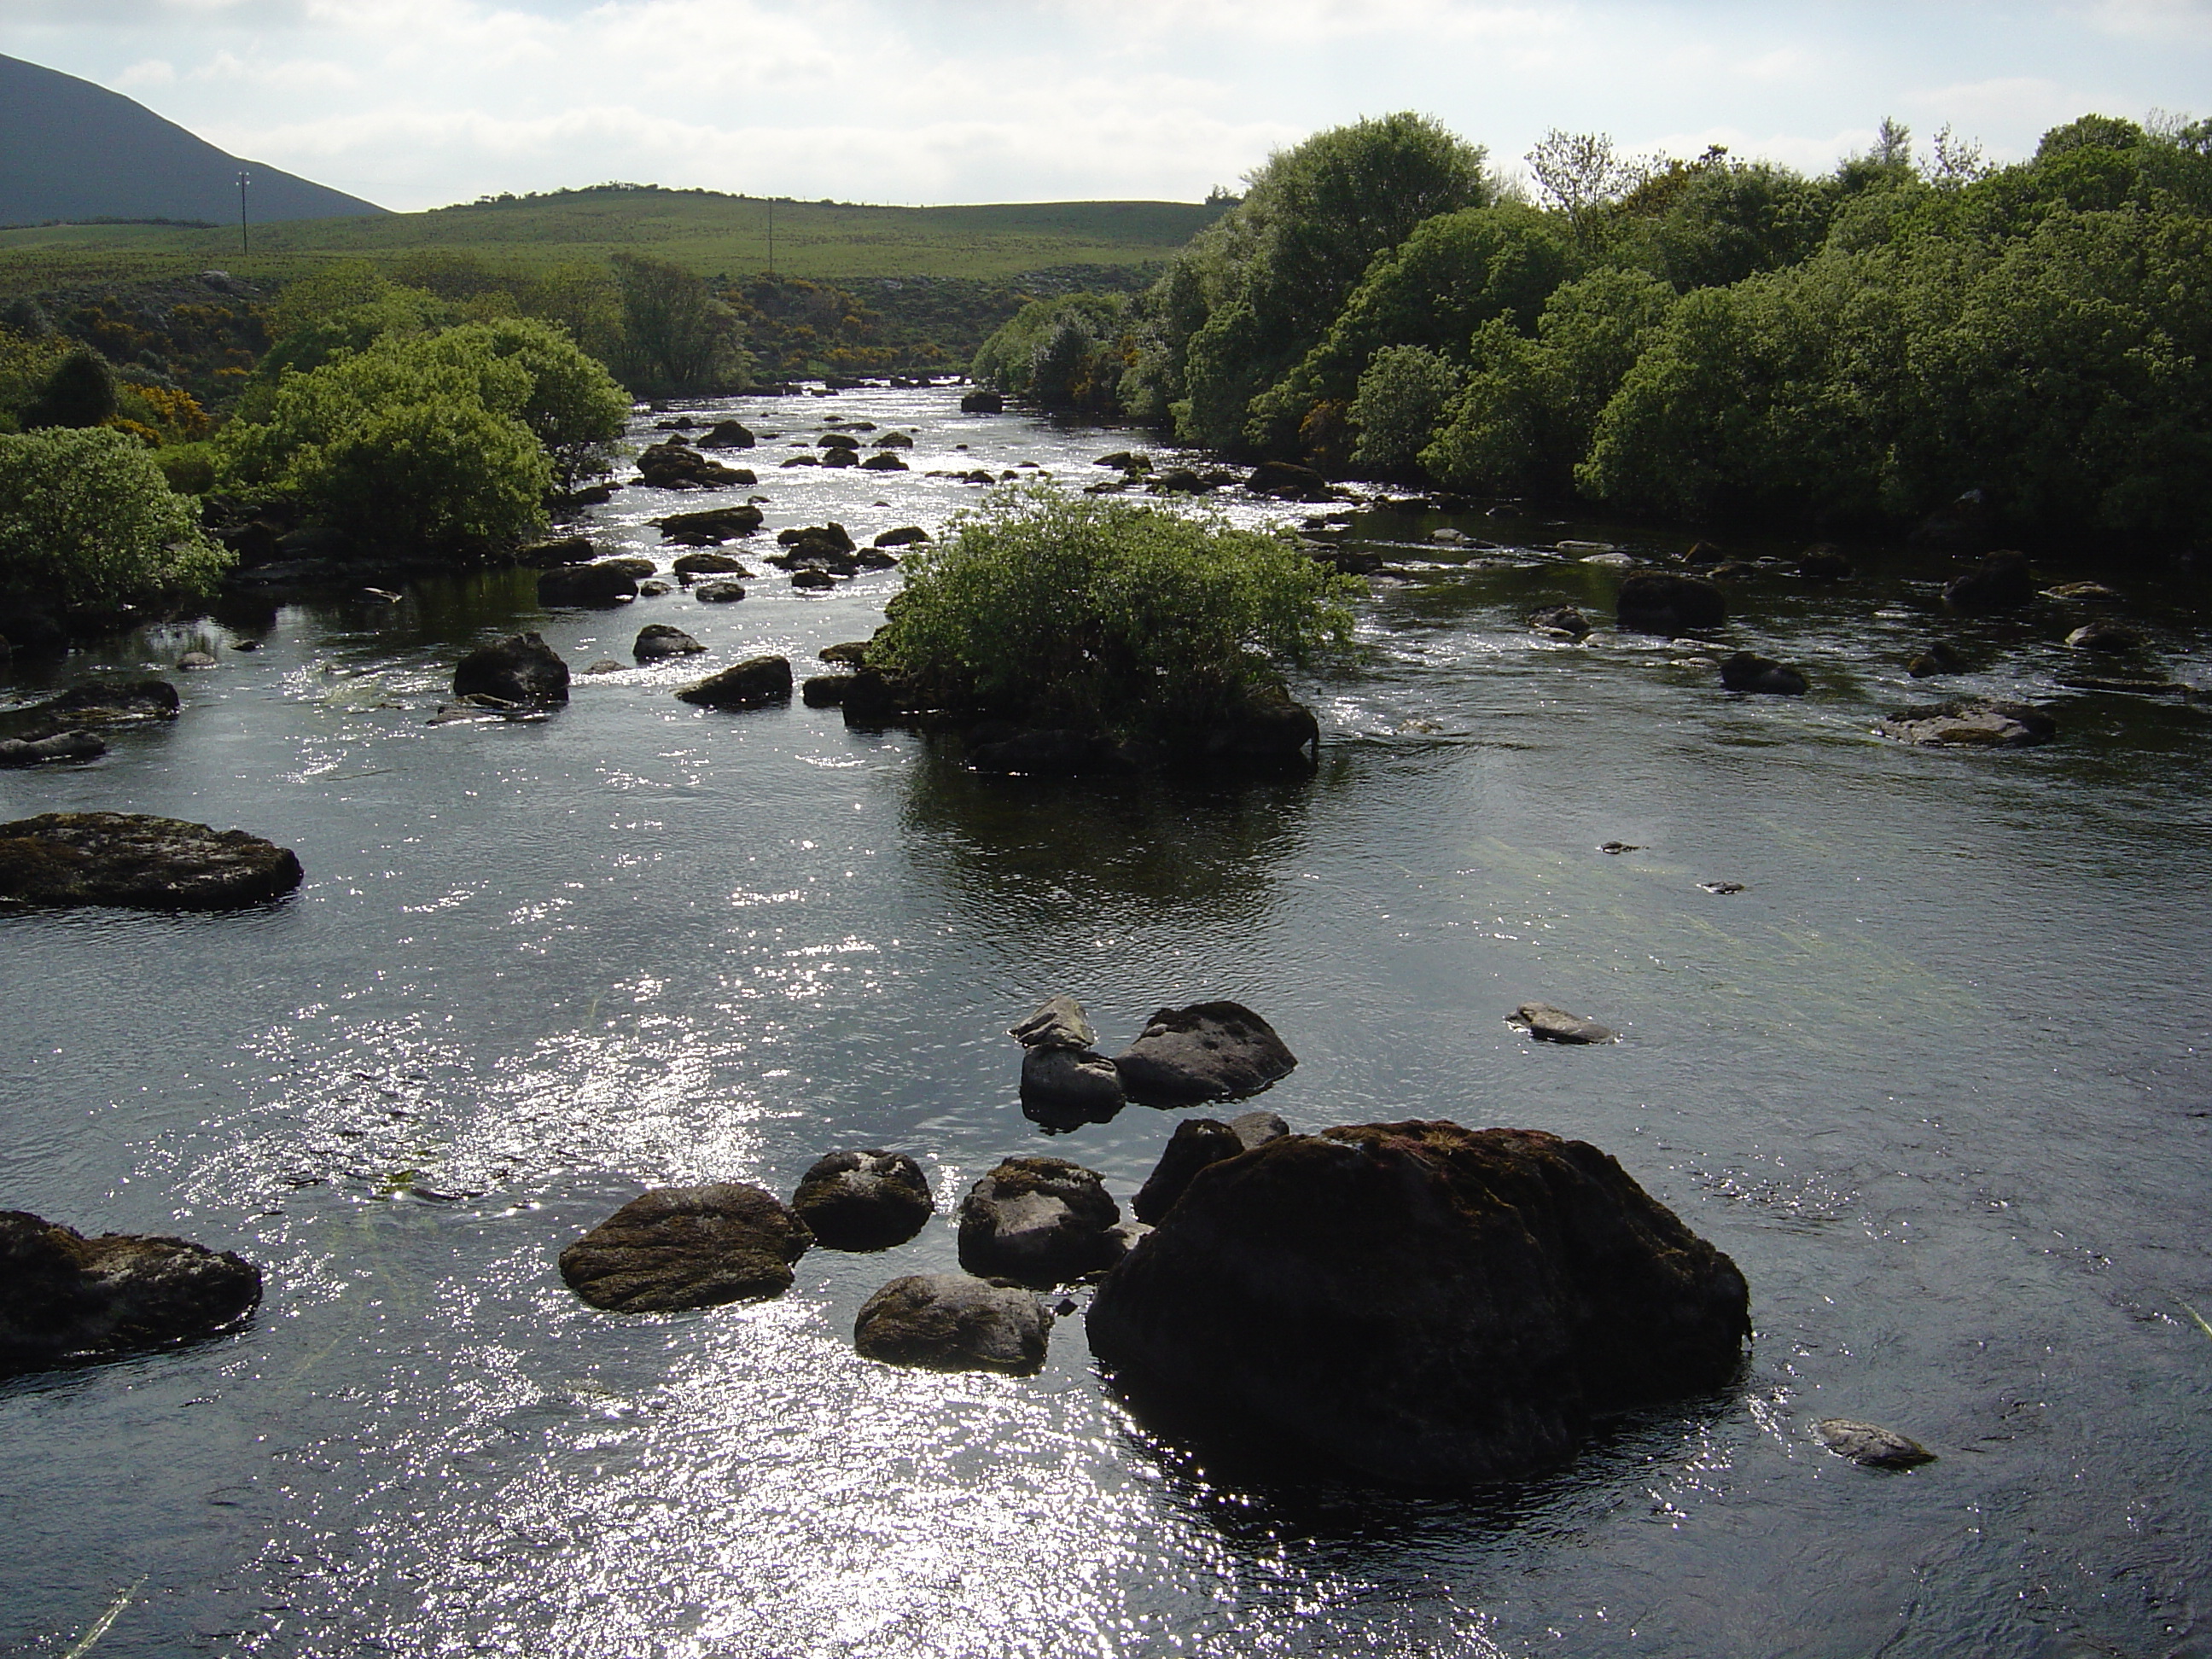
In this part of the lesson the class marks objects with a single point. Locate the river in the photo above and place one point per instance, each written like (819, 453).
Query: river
(1937, 1077)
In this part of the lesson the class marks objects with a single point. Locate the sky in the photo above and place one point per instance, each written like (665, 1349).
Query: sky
(416, 103)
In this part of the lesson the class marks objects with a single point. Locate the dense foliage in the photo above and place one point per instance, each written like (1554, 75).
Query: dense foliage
(1703, 337)
(1059, 353)
(88, 522)
(1105, 613)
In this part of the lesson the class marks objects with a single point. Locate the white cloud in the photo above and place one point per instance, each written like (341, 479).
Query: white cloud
(148, 72)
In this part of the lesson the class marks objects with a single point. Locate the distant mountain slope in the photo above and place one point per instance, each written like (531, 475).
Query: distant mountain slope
(71, 150)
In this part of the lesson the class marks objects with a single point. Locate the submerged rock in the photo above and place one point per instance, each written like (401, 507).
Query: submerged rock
(2002, 582)
(1038, 1221)
(1417, 1302)
(106, 703)
(1660, 602)
(1971, 724)
(1871, 1445)
(753, 684)
(137, 860)
(1937, 659)
(687, 1247)
(953, 1322)
(867, 1200)
(64, 1295)
(1541, 1019)
(719, 593)
(61, 746)
(1208, 1051)
(521, 672)
(1197, 1143)
(1747, 671)
(657, 640)
(1562, 620)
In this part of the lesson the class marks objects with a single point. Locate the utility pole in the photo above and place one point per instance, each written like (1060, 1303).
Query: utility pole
(242, 177)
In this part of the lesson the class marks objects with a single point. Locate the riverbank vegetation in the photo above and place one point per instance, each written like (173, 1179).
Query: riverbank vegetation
(1105, 615)
(1701, 339)
(89, 523)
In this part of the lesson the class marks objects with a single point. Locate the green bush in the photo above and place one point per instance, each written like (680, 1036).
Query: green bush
(419, 443)
(80, 392)
(189, 468)
(88, 522)
(1061, 354)
(1105, 613)
(1402, 397)
(572, 405)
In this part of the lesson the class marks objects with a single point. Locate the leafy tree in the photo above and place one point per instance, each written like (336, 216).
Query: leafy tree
(1578, 172)
(1061, 354)
(81, 392)
(1403, 392)
(677, 336)
(1453, 274)
(573, 406)
(1107, 613)
(1259, 286)
(88, 522)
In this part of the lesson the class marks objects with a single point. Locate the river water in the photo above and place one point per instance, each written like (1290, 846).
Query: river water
(1937, 1077)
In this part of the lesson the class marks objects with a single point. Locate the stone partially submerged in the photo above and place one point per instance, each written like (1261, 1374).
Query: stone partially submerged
(688, 1247)
(1971, 724)
(1197, 1143)
(865, 1200)
(138, 860)
(1065, 1080)
(1208, 1051)
(64, 1295)
(1417, 1302)
(1039, 1221)
(954, 1323)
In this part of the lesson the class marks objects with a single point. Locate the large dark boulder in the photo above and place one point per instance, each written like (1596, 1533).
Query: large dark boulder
(753, 684)
(135, 860)
(1197, 1143)
(520, 672)
(1266, 724)
(1289, 482)
(710, 528)
(905, 536)
(953, 1322)
(983, 402)
(2002, 582)
(556, 552)
(1417, 1302)
(1660, 602)
(656, 641)
(673, 465)
(688, 565)
(687, 1247)
(1208, 1051)
(866, 1201)
(1038, 1221)
(727, 435)
(64, 1295)
(604, 583)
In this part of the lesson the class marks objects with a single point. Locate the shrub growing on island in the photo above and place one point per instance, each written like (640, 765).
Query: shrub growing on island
(88, 522)
(1107, 615)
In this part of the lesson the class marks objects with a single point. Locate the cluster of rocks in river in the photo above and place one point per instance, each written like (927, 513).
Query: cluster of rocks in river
(1183, 1056)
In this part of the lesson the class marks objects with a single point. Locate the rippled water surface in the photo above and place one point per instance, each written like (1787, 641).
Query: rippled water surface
(1936, 1077)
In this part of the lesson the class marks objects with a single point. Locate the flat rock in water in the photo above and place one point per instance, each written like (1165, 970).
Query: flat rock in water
(1197, 1143)
(62, 746)
(953, 1322)
(1969, 724)
(107, 702)
(63, 1295)
(1417, 1302)
(1748, 671)
(1540, 1019)
(687, 1247)
(752, 683)
(1038, 1221)
(1208, 1051)
(137, 860)
(867, 1200)
(1058, 1023)
(1871, 1445)
(709, 564)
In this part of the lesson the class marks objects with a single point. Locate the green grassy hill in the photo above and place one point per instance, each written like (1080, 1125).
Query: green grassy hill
(714, 235)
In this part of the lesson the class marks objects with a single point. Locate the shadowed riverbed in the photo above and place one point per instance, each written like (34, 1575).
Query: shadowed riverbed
(1936, 1077)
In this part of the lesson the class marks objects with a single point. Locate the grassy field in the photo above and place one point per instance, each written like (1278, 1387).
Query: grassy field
(714, 235)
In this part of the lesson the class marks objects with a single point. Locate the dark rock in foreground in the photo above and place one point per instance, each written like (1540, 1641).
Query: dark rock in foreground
(1208, 1051)
(866, 1201)
(2002, 582)
(1659, 602)
(953, 1322)
(1971, 724)
(1541, 1019)
(1417, 1302)
(687, 1247)
(1748, 671)
(521, 672)
(1871, 1445)
(1038, 1221)
(63, 1295)
(1197, 1143)
(131, 859)
(753, 684)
